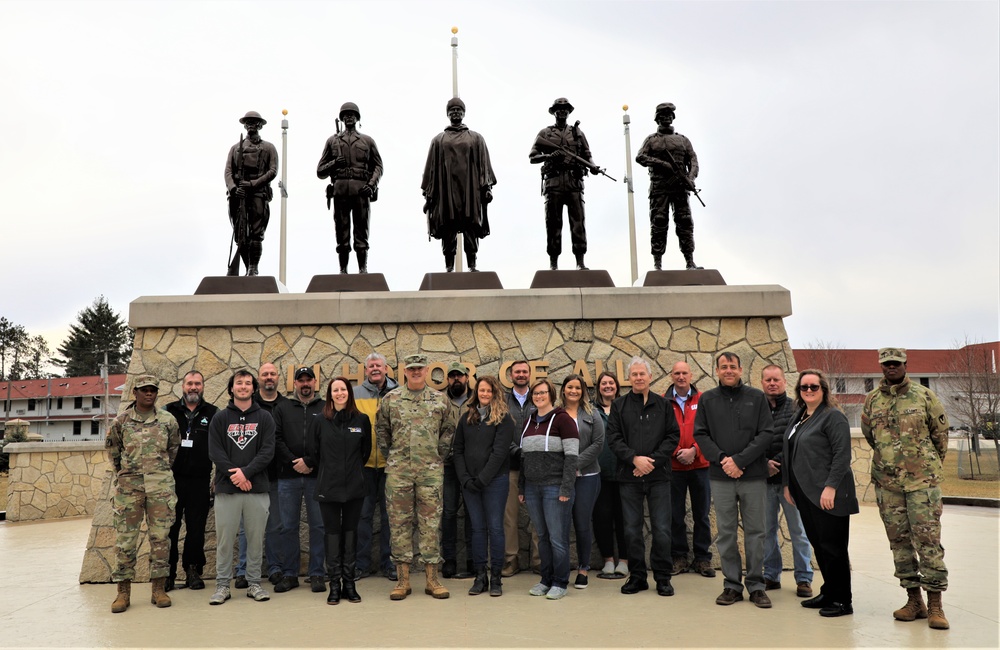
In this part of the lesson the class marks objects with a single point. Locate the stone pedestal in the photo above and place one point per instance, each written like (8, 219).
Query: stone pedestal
(223, 284)
(686, 278)
(347, 282)
(482, 280)
(571, 279)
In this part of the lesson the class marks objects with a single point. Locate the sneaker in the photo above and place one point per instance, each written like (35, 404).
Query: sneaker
(771, 584)
(581, 581)
(730, 596)
(621, 568)
(555, 593)
(539, 590)
(804, 590)
(220, 596)
(760, 599)
(704, 567)
(681, 565)
(241, 582)
(258, 593)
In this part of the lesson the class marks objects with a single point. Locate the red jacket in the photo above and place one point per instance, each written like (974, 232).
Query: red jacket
(685, 420)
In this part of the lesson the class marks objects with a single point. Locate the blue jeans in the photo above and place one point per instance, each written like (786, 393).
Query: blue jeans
(587, 489)
(695, 481)
(551, 518)
(657, 495)
(291, 492)
(485, 510)
(374, 495)
(271, 539)
(801, 550)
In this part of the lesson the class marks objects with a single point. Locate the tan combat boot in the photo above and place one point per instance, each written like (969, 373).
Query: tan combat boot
(434, 588)
(123, 600)
(402, 588)
(159, 597)
(935, 611)
(914, 607)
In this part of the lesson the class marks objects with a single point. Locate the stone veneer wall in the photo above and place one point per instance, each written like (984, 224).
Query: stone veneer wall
(51, 480)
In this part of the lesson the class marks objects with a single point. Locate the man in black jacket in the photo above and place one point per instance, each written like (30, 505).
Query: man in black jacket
(297, 482)
(781, 407)
(733, 428)
(193, 479)
(643, 434)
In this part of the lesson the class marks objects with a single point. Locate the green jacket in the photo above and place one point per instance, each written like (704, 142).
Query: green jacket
(907, 428)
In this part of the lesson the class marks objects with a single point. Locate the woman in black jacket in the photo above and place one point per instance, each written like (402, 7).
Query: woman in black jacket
(482, 463)
(338, 444)
(819, 481)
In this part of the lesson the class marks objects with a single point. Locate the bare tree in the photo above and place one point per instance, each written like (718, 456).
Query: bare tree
(831, 358)
(975, 389)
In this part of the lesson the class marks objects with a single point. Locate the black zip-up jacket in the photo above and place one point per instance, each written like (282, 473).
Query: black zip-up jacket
(243, 439)
(291, 421)
(781, 414)
(637, 429)
(482, 451)
(337, 450)
(734, 421)
(193, 461)
(272, 468)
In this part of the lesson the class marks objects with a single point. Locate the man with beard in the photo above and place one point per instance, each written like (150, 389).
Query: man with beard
(297, 482)
(520, 407)
(458, 393)
(193, 480)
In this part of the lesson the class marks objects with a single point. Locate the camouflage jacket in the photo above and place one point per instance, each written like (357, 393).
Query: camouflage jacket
(907, 427)
(141, 447)
(414, 431)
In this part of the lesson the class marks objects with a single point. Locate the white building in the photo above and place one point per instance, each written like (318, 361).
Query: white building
(61, 409)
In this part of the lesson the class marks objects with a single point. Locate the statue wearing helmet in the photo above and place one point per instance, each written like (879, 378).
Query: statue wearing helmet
(250, 167)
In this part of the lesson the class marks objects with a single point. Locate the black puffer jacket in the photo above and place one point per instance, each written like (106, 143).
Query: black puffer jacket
(291, 421)
(337, 450)
(637, 429)
(781, 413)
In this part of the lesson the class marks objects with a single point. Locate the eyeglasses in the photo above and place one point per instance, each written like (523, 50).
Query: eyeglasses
(805, 388)
(540, 392)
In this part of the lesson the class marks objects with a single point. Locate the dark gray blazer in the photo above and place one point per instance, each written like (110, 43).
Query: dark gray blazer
(821, 457)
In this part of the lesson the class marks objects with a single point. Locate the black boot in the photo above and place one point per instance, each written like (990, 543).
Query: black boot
(658, 262)
(553, 262)
(495, 582)
(333, 568)
(580, 266)
(362, 261)
(234, 267)
(481, 583)
(349, 573)
(192, 578)
(449, 263)
(691, 266)
(254, 250)
(344, 258)
(472, 262)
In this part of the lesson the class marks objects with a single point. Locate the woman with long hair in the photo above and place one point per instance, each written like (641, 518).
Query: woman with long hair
(549, 448)
(482, 463)
(609, 525)
(816, 454)
(590, 428)
(337, 445)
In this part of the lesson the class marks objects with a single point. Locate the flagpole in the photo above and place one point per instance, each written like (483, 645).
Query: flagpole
(460, 244)
(626, 120)
(283, 186)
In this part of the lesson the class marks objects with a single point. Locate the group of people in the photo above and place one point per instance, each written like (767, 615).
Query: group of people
(593, 464)
(457, 186)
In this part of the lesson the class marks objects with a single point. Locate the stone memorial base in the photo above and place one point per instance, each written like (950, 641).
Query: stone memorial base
(465, 281)
(347, 282)
(239, 284)
(686, 278)
(571, 279)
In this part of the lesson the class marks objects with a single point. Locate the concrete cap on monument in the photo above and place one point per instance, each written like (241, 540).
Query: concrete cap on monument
(414, 361)
(885, 355)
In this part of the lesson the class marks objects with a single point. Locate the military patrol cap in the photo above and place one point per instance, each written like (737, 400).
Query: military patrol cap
(892, 354)
(143, 381)
(562, 103)
(304, 371)
(665, 107)
(457, 366)
(454, 101)
(414, 361)
(253, 115)
(349, 106)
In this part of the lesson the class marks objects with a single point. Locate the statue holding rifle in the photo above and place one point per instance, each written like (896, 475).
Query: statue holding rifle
(673, 168)
(251, 166)
(564, 154)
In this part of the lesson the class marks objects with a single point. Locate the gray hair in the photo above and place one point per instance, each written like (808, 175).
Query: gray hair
(640, 360)
(375, 356)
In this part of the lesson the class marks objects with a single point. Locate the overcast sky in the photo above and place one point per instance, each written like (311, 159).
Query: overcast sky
(848, 150)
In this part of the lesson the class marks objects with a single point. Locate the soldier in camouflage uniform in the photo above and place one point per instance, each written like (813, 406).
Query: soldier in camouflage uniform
(414, 432)
(907, 428)
(142, 445)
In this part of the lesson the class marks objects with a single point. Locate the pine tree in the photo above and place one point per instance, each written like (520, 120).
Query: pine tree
(98, 328)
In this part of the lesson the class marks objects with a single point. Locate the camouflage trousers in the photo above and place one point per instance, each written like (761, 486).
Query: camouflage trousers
(134, 498)
(913, 525)
(414, 508)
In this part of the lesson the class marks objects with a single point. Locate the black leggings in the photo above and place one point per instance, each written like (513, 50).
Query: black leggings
(609, 526)
(340, 517)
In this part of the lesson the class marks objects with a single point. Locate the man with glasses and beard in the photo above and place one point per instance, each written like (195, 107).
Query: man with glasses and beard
(193, 480)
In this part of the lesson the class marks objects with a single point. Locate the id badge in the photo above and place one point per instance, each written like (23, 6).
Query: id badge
(187, 443)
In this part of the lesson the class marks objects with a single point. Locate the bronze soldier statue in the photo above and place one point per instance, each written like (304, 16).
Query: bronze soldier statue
(352, 162)
(457, 183)
(673, 167)
(251, 166)
(562, 151)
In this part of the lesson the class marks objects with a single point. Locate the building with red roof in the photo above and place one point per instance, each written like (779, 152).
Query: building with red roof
(61, 408)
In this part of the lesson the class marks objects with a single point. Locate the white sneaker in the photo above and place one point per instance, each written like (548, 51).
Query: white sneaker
(555, 593)
(622, 568)
(220, 596)
(538, 590)
(257, 592)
